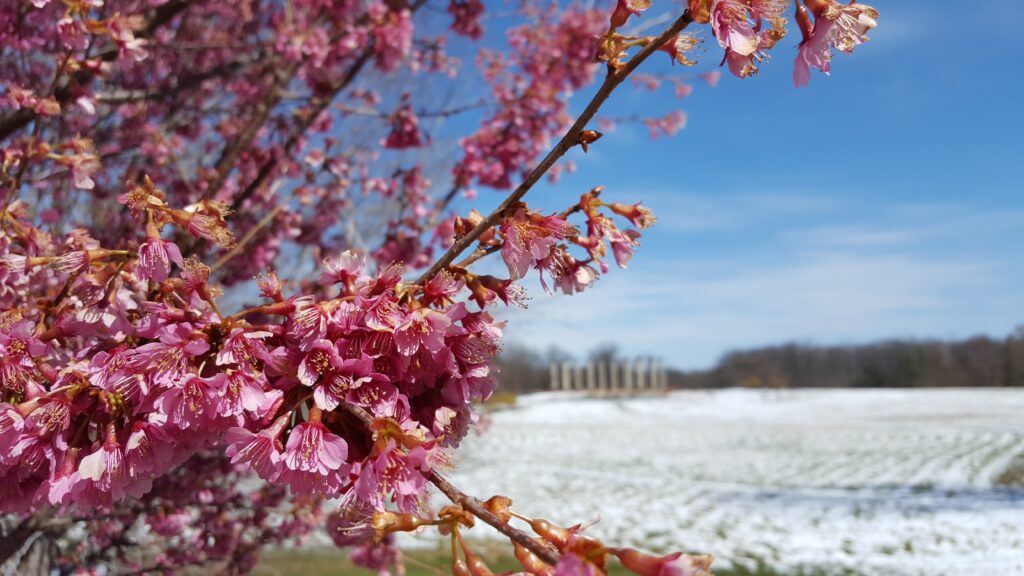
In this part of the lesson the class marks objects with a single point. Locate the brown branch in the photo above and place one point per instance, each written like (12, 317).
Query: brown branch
(477, 254)
(15, 122)
(477, 509)
(570, 139)
(445, 113)
(229, 157)
(441, 204)
(181, 84)
(473, 505)
(317, 105)
(18, 534)
(164, 14)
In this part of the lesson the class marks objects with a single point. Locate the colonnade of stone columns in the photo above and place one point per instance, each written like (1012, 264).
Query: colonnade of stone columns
(620, 376)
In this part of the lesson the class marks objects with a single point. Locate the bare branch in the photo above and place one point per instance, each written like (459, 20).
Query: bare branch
(611, 81)
(473, 505)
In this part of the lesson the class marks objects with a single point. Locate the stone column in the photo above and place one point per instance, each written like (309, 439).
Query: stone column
(614, 368)
(553, 380)
(627, 376)
(566, 377)
(602, 375)
(591, 377)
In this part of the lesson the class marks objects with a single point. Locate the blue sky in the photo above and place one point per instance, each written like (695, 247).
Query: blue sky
(883, 201)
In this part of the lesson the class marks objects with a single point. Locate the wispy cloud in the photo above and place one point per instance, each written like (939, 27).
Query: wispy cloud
(901, 272)
(911, 225)
(691, 212)
(690, 315)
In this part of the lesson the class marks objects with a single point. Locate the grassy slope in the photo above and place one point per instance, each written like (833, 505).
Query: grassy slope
(328, 562)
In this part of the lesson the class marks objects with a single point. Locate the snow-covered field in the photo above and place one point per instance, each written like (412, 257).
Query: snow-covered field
(877, 482)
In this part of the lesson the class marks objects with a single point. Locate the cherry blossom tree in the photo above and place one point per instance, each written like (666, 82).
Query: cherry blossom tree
(231, 290)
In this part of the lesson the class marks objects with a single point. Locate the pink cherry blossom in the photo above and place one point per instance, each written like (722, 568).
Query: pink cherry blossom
(339, 384)
(393, 475)
(839, 26)
(530, 237)
(11, 425)
(345, 269)
(262, 451)
(423, 327)
(312, 458)
(194, 402)
(466, 17)
(405, 131)
(321, 359)
(155, 257)
(106, 467)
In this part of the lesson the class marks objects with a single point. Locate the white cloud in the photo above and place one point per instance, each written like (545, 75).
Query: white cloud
(766, 268)
(690, 213)
(689, 315)
(904, 226)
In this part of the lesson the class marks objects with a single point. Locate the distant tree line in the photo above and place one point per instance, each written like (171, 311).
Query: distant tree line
(977, 361)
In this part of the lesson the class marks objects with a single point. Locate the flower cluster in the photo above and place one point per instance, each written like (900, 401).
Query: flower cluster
(132, 368)
(138, 370)
(527, 84)
(835, 25)
(204, 515)
(747, 29)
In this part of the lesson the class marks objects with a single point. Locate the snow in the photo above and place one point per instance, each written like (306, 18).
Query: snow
(876, 482)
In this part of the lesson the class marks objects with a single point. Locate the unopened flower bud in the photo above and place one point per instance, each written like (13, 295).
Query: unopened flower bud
(459, 568)
(551, 532)
(474, 563)
(588, 137)
(499, 506)
(639, 216)
(385, 523)
(677, 564)
(531, 563)
(626, 8)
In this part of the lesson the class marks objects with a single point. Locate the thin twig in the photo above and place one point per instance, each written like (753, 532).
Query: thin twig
(317, 105)
(229, 157)
(247, 238)
(441, 204)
